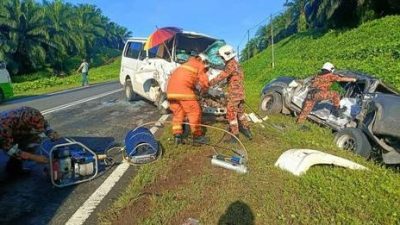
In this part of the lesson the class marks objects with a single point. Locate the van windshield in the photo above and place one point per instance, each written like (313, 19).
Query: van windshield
(187, 44)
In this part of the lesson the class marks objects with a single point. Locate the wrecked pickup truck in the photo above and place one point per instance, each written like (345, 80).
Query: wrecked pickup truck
(145, 73)
(370, 124)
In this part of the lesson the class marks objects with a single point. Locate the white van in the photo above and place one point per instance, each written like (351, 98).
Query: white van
(146, 73)
(6, 90)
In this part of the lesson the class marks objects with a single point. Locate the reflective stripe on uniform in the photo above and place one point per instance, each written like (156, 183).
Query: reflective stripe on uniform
(191, 69)
(176, 127)
(181, 96)
(233, 122)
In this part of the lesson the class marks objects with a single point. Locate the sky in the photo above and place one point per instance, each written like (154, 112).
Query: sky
(222, 19)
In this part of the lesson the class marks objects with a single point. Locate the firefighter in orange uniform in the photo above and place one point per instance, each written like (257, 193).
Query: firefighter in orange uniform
(183, 100)
(320, 91)
(235, 106)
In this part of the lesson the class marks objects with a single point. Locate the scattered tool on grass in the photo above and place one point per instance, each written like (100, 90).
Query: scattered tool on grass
(240, 155)
(71, 162)
(257, 118)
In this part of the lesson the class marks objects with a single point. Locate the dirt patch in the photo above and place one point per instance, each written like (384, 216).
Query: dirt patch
(180, 174)
(138, 208)
(194, 210)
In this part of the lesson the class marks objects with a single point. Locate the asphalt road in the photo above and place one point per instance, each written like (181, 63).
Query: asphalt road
(97, 123)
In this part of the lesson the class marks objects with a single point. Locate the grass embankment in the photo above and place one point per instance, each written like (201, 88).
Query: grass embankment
(184, 184)
(45, 82)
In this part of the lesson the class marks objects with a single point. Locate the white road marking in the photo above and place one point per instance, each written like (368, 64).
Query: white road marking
(79, 88)
(58, 108)
(83, 213)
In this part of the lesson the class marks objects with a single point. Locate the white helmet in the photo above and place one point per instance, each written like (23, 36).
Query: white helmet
(227, 52)
(204, 58)
(328, 66)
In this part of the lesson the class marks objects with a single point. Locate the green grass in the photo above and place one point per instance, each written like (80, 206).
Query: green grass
(184, 184)
(44, 82)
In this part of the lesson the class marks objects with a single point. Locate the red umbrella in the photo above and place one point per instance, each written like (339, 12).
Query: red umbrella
(160, 36)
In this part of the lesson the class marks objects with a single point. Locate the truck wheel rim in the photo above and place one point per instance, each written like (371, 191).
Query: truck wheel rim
(347, 143)
(267, 103)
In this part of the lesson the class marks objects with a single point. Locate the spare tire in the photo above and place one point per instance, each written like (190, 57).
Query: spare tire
(271, 103)
(353, 139)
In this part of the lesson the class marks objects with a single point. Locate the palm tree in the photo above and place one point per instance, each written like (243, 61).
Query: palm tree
(54, 33)
(91, 25)
(27, 33)
(6, 46)
(296, 13)
(59, 17)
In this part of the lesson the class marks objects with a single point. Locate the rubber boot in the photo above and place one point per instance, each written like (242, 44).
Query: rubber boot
(178, 140)
(246, 132)
(200, 140)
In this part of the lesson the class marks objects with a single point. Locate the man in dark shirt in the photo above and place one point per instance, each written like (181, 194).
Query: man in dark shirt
(320, 90)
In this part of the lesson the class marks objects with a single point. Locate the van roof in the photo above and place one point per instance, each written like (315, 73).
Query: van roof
(185, 32)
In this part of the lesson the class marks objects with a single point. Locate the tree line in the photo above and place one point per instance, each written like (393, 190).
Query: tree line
(317, 16)
(53, 34)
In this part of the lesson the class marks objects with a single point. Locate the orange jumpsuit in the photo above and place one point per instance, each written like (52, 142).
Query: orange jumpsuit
(235, 106)
(182, 97)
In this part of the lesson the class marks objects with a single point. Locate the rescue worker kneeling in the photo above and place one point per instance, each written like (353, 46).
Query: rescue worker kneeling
(21, 131)
(183, 99)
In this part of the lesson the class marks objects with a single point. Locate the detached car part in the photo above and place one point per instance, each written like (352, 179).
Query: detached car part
(298, 161)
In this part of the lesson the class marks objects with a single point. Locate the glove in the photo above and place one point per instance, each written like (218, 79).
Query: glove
(14, 151)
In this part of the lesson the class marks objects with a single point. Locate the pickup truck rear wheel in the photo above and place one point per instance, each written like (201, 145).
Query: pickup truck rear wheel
(129, 93)
(271, 103)
(353, 139)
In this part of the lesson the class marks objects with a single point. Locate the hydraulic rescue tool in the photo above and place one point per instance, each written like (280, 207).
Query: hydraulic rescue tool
(71, 162)
(140, 146)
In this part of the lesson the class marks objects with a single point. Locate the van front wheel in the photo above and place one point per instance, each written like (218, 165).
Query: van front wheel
(129, 93)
